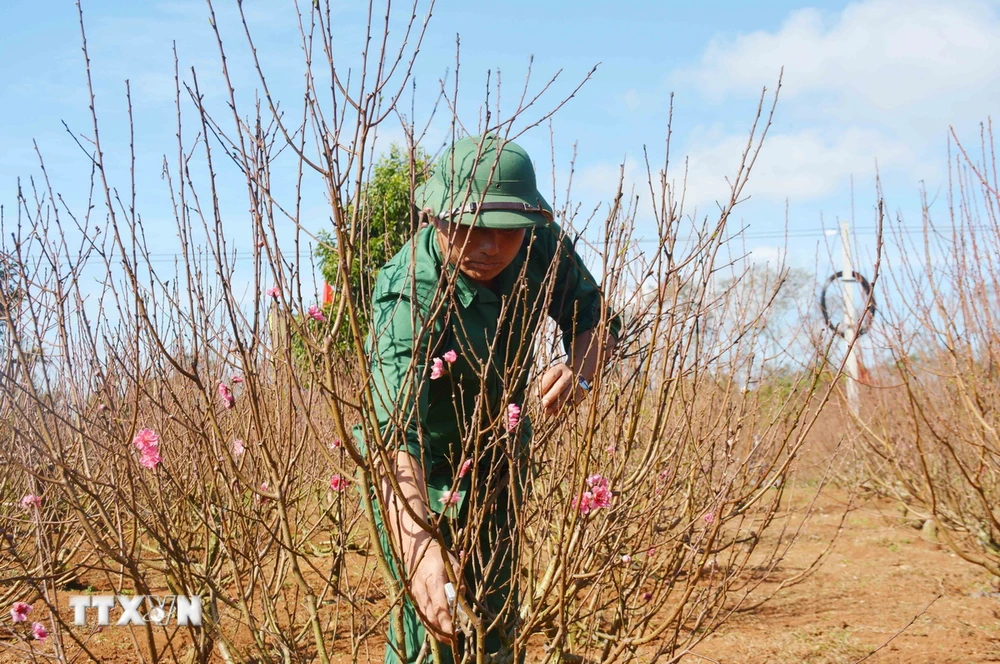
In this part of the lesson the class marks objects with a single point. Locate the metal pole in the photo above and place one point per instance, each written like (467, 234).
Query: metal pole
(850, 320)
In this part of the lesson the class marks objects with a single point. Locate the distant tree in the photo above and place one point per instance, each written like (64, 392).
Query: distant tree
(387, 222)
(768, 307)
(9, 296)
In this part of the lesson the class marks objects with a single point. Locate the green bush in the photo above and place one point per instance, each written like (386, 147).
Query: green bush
(386, 220)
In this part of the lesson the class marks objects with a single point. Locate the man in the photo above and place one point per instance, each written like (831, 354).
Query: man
(455, 314)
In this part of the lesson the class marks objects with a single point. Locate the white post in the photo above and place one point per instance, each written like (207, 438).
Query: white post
(850, 317)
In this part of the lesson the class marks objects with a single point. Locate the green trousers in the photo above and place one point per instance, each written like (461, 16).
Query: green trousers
(490, 572)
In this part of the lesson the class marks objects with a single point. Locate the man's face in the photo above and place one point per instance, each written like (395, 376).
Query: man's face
(480, 253)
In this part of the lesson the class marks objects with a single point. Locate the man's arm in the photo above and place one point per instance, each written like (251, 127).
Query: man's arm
(400, 396)
(560, 382)
(577, 306)
(587, 353)
(422, 556)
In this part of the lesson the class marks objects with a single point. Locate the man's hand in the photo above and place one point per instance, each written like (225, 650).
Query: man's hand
(422, 555)
(559, 384)
(427, 588)
(558, 387)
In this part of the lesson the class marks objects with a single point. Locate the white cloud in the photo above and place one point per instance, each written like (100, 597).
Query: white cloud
(768, 255)
(879, 82)
(802, 165)
(599, 181)
(631, 99)
(887, 61)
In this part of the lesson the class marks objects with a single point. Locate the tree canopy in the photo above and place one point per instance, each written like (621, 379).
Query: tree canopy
(387, 220)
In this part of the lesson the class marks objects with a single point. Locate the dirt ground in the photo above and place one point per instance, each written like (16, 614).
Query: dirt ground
(885, 587)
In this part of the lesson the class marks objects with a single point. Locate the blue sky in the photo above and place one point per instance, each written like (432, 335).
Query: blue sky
(868, 82)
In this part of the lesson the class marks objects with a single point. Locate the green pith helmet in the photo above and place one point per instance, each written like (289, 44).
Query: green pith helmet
(493, 191)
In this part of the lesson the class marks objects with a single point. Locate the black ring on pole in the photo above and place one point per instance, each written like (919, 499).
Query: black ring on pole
(869, 313)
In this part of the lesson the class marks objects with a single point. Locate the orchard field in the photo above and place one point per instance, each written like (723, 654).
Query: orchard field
(191, 426)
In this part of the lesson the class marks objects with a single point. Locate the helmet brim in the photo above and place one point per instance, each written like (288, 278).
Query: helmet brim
(432, 196)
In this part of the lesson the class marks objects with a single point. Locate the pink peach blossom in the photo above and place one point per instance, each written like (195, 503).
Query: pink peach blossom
(597, 497)
(30, 500)
(238, 448)
(338, 483)
(584, 503)
(148, 443)
(315, 313)
(626, 559)
(450, 498)
(709, 518)
(150, 458)
(38, 629)
(274, 292)
(602, 497)
(336, 444)
(465, 468)
(513, 416)
(237, 380)
(437, 368)
(450, 356)
(19, 612)
(146, 438)
(647, 596)
(227, 397)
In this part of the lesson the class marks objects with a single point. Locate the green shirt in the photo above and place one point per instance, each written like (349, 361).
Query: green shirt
(417, 316)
